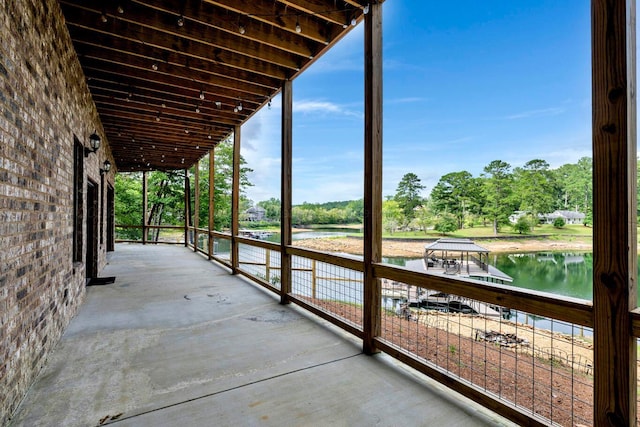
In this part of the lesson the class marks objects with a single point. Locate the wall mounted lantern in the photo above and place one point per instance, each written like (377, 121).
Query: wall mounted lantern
(94, 144)
(106, 167)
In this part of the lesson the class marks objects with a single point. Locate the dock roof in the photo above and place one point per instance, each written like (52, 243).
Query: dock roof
(455, 245)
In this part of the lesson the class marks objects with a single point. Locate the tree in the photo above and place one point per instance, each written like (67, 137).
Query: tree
(576, 180)
(424, 216)
(392, 215)
(447, 223)
(223, 183)
(497, 190)
(535, 188)
(558, 223)
(271, 209)
(522, 226)
(457, 193)
(408, 194)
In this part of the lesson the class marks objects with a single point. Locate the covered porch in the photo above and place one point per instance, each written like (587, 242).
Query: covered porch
(163, 346)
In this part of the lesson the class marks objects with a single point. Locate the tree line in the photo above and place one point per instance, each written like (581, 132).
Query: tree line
(457, 201)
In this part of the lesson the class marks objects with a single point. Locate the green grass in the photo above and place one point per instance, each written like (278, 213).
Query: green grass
(567, 231)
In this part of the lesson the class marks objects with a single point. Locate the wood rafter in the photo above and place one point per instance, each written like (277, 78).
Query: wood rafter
(158, 68)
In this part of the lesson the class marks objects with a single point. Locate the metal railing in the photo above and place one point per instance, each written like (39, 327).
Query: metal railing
(527, 355)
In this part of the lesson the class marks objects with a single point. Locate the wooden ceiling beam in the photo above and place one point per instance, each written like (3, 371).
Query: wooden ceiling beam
(107, 47)
(113, 79)
(154, 27)
(230, 21)
(276, 14)
(175, 127)
(195, 83)
(145, 36)
(208, 110)
(337, 12)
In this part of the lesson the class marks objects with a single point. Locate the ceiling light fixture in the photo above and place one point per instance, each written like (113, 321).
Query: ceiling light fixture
(103, 17)
(365, 10)
(154, 67)
(298, 27)
(218, 104)
(120, 9)
(241, 29)
(201, 94)
(180, 21)
(239, 106)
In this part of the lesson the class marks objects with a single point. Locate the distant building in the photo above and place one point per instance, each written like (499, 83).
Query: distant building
(254, 213)
(569, 217)
(514, 217)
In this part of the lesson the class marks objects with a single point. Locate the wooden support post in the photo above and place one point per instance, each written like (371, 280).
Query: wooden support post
(211, 205)
(267, 264)
(372, 173)
(614, 211)
(235, 201)
(196, 210)
(314, 279)
(145, 207)
(286, 190)
(187, 207)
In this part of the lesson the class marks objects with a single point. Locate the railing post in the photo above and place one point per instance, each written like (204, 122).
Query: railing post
(211, 201)
(314, 279)
(267, 267)
(372, 173)
(235, 201)
(187, 207)
(196, 213)
(145, 202)
(614, 211)
(286, 191)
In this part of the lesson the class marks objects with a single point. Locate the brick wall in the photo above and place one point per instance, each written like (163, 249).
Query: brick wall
(44, 103)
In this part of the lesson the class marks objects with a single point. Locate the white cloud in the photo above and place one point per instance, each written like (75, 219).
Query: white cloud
(323, 107)
(552, 111)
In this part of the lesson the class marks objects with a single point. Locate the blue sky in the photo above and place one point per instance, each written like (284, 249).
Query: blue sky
(465, 83)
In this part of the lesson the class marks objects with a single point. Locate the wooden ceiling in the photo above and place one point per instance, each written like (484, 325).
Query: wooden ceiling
(171, 78)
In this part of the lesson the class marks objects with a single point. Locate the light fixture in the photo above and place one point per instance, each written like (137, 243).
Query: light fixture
(365, 10)
(158, 117)
(241, 29)
(103, 17)
(154, 67)
(197, 108)
(201, 94)
(120, 9)
(218, 104)
(354, 21)
(180, 21)
(106, 167)
(94, 144)
(298, 27)
(239, 106)
(235, 109)
(186, 131)
(209, 136)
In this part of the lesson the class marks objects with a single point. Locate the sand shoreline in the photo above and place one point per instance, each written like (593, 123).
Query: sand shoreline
(415, 248)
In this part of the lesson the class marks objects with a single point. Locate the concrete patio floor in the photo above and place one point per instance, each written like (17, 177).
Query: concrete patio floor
(178, 341)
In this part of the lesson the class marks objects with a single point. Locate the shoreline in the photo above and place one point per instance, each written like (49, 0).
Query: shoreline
(415, 249)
